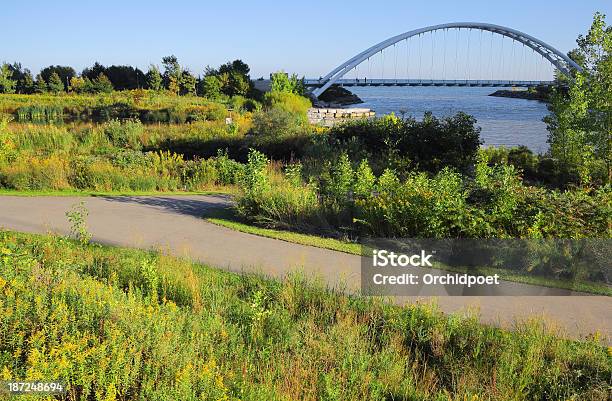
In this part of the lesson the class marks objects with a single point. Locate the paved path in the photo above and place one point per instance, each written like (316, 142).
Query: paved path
(175, 223)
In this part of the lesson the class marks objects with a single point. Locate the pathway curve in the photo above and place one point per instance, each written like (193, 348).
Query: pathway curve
(174, 223)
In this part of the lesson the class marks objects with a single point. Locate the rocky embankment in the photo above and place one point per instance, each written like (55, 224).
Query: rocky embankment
(330, 116)
(541, 94)
(337, 96)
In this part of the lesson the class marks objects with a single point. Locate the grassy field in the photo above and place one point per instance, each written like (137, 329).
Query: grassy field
(142, 99)
(118, 324)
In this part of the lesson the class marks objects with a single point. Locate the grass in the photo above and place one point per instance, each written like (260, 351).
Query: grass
(121, 324)
(140, 98)
(227, 218)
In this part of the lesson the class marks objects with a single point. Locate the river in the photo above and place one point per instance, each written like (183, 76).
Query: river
(504, 121)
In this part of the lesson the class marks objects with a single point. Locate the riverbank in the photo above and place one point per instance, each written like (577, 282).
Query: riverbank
(337, 96)
(541, 94)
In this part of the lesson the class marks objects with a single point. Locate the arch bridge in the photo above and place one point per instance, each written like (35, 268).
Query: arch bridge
(559, 60)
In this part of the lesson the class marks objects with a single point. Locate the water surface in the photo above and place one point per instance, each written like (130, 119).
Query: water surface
(504, 121)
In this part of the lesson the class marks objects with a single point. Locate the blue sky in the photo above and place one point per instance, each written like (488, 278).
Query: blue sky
(308, 38)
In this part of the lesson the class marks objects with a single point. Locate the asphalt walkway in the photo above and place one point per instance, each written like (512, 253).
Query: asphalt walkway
(175, 223)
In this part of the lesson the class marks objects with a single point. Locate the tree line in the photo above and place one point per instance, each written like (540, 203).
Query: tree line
(230, 79)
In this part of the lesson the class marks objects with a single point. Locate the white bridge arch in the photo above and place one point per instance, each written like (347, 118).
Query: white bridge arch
(559, 60)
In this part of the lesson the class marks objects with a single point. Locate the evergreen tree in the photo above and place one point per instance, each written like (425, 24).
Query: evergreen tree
(188, 83)
(55, 83)
(40, 86)
(102, 84)
(26, 84)
(154, 78)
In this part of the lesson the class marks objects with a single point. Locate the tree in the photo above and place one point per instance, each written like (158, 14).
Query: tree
(173, 84)
(154, 78)
(172, 74)
(238, 85)
(238, 66)
(55, 83)
(40, 86)
(26, 83)
(94, 71)
(210, 87)
(102, 84)
(187, 83)
(233, 78)
(7, 83)
(77, 84)
(125, 77)
(18, 75)
(281, 82)
(580, 126)
(65, 73)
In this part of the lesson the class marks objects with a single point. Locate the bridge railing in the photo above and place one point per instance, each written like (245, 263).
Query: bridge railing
(427, 82)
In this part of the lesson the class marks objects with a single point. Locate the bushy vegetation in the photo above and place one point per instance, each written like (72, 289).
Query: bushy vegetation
(430, 144)
(281, 82)
(492, 203)
(128, 325)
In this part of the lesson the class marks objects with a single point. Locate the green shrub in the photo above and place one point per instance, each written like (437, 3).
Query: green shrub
(255, 178)
(124, 134)
(336, 182)
(365, 180)
(428, 145)
(289, 102)
(279, 134)
(200, 174)
(229, 171)
(215, 112)
(418, 207)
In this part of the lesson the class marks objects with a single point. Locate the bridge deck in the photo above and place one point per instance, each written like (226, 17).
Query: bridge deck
(315, 83)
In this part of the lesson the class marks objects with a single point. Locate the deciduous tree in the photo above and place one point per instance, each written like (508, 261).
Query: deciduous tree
(210, 87)
(172, 74)
(7, 83)
(580, 126)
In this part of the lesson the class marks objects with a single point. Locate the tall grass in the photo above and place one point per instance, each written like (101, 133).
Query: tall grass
(147, 106)
(108, 157)
(129, 325)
